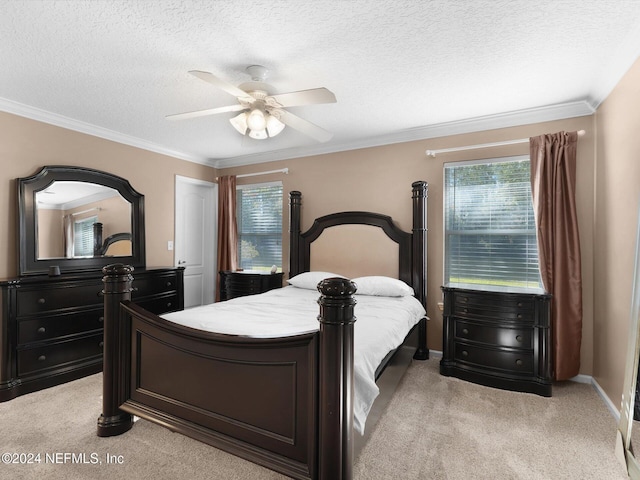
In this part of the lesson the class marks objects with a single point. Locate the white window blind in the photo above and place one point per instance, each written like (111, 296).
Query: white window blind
(490, 233)
(83, 237)
(259, 217)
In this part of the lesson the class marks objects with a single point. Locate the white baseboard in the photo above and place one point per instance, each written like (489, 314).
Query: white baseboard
(588, 379)
(615, 411)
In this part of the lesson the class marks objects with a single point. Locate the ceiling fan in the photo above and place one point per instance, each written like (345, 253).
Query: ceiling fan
(263, 112)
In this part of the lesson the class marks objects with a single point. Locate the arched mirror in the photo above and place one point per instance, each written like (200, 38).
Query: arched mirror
(74, 219)
(629, 426)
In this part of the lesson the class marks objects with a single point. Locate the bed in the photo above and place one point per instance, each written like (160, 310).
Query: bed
(287, 402)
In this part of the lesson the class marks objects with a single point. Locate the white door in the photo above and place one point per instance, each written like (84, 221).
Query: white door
(196, 238)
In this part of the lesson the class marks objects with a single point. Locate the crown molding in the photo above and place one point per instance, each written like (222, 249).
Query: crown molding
(490, 122)
(45, 116)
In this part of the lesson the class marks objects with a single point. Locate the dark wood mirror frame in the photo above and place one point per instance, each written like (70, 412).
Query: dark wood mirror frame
(28, 261)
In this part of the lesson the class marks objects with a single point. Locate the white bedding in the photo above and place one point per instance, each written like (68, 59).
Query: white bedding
(381, 325)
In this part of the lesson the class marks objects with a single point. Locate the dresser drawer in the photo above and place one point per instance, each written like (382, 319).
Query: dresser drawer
(160, 304)
(503, 307)
(59, 354)
(30, 302)
(45, 328)
(152, 285)
(519, 362)
(492, 335)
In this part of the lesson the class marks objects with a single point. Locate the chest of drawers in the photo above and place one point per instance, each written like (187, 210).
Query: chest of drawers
(498, 338)
(52, 327)
(239, 284)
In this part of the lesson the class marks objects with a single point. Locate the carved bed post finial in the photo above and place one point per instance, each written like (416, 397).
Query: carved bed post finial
(419, 261)
(336, 378)
(117, 287)
(295, 206)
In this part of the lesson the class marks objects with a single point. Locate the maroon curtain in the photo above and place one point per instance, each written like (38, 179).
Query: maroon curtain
(553, 185)
(227, 227)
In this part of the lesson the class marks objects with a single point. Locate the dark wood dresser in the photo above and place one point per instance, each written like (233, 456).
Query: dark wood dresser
(52, 326)
(239, 284)
(497, 337)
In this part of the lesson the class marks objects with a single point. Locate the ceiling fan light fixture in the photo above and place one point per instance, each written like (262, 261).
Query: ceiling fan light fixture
(256, 119)
(274, 126)
(239, 122)
(258, 134)
(257, 124)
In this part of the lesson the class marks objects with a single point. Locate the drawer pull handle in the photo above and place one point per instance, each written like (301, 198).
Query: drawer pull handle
(100, 319)
(519, 338)
(465, 353)
(168, 304)
(41, 301)
(42, 330)
(101, 344)
(465, 331)
(519, 362)
(519, 315)
(519, 304)
(169, 284)
(42, 358)
(465, 299)
(465, 310)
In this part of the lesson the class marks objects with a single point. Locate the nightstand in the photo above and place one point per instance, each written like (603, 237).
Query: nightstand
(498, 337)
(247, 282)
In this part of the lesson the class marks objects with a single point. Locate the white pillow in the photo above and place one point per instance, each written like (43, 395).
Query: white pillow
(310, 280)
(382, 286)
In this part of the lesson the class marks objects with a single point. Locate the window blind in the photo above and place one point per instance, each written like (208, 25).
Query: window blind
(490, 233)
(259, 217)
(83, 237)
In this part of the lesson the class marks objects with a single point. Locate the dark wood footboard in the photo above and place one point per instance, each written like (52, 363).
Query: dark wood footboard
(284, 403)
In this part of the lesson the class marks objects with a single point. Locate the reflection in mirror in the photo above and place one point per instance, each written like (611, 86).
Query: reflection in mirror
(628, 441)
(634, 441)
(67, 212)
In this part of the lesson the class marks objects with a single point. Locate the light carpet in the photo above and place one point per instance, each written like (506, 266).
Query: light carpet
(434, 428)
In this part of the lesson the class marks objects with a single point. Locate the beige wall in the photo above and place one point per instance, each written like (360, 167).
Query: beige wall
(27, 145)
(379, 179)
(616, 219)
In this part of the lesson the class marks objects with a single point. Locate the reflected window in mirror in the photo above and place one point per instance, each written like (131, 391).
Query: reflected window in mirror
(66, 214)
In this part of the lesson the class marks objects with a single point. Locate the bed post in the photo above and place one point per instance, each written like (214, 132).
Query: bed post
(335, 458)
(117, 287)
(419, 261)
(295, 205)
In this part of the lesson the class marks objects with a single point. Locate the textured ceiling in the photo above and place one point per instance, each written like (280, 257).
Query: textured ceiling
(400, 70)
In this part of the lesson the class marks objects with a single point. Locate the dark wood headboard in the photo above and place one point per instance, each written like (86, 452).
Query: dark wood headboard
(412, 247)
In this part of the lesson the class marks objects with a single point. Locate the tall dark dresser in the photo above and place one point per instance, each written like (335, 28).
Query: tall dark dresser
(52, 327)
(498, 338)
(52, 310)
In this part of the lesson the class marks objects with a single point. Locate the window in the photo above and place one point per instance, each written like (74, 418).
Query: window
(490, 233)
(259, 217)
(83, 237)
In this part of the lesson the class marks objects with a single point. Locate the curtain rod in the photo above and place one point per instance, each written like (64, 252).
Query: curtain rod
(432, 153)
(87, 211)
(282, 170)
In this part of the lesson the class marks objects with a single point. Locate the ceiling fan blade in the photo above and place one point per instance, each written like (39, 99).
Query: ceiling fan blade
(313, 96)
(304, 126)
(202, 113)
(215, 81)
